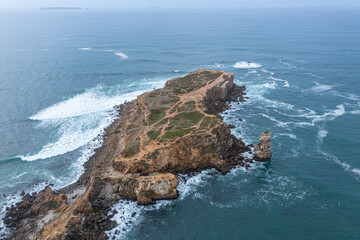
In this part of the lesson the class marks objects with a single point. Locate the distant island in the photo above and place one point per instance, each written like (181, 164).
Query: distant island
(62, 8)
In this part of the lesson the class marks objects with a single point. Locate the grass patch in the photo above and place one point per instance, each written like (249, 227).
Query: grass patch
(194, 117)
(193, 81)
(154, 174)
(156, 115)
(153, 134)
(131, 151)
(205, 122)
(213, 122)
(173, 109)
(185, 120)
(188, 106)
(176, 133)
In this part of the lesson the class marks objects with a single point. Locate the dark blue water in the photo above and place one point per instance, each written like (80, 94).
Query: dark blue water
(62, 72)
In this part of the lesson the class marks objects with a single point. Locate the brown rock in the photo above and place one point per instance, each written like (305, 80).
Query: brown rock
(262, 151)
(156, 187)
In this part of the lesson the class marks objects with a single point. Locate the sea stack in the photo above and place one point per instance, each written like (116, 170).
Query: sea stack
(263, 149)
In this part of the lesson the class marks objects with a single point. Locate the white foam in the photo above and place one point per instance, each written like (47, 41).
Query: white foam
(73, 134)
(85, 49)
(93, 100)
(356, 171)
(279, 123)
(355, 112)
(125, 209)
(81, 119)
(292, 136)
(319, 88)
(314, 75)
(246, 65)
(322, 133)
(218, 65)
(328, 116)
(122, 55)
(20, 175)
(288, 64)
(286, 83)
(272, 85)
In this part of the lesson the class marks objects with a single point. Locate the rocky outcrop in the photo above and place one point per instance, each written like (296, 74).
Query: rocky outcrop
(262, 150)
(33, 206)
(176, 129)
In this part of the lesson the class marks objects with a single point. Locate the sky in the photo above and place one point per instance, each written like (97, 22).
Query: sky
(21, 4)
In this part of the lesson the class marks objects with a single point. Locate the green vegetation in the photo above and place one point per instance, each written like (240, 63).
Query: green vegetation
(185, 120)
(176, 133)
(156, 115)
(131, 151)
(205, 122)
(194, 117)
(173, 109)
(188, 106)
(193, 81)
(154, 174)
(152, 155)
(213, 122)
(153, 134)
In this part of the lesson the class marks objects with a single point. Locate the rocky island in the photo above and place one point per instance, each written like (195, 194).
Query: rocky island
(164, 132)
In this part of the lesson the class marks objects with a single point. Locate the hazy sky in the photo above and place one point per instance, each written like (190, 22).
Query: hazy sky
(177, 3)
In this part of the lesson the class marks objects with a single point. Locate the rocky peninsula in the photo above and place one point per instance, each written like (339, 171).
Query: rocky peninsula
(164, 132)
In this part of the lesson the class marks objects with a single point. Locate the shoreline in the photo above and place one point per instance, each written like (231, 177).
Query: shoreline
(77, 196)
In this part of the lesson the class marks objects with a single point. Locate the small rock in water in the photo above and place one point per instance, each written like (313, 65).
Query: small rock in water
(262, 151)
(240, 119)
(133, 214)
(22, 193)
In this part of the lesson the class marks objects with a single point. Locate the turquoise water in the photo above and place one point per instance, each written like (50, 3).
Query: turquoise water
(61, 74)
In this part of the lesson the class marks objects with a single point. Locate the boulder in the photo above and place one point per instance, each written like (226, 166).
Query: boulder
(156, 187)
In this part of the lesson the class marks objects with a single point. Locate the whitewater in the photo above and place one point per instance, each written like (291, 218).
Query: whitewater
(61, 89)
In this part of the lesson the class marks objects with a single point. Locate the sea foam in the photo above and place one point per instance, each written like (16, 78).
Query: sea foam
(85, 49)
(83, 117)
(246, 65)
(122, 55)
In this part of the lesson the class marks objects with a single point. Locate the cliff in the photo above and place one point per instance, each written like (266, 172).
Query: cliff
(176, 129)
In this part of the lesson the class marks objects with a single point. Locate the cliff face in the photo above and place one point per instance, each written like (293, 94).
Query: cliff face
(176, 129)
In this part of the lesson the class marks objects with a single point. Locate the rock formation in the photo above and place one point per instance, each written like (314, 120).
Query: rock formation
(262, 150)
(176, 129)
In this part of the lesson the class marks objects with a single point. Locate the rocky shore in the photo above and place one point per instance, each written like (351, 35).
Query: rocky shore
(176, 129)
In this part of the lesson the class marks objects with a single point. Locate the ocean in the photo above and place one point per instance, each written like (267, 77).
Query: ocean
(62, 73)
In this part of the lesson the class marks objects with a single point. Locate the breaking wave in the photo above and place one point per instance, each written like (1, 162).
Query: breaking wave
(246, 65)
(122, 55)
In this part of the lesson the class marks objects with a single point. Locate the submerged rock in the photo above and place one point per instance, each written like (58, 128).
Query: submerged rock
(262, 150)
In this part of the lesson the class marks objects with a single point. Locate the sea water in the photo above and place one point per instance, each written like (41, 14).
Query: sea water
(63, 72)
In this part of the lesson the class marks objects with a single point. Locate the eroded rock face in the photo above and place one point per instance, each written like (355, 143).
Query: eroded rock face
(156, 187)
(33, 206)
(176, 129)
(263, 149)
